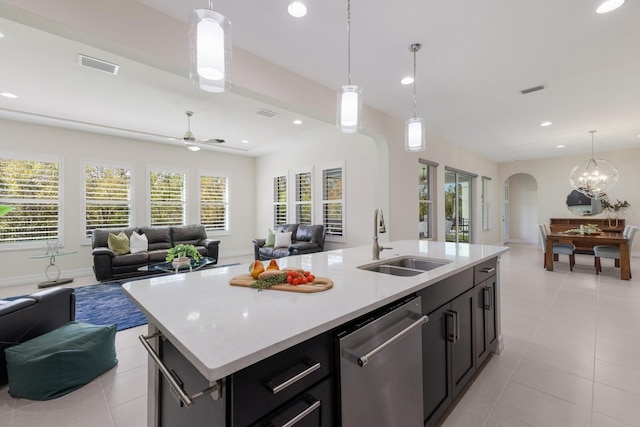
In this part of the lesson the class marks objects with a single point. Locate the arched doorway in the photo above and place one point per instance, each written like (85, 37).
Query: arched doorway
(520, 209)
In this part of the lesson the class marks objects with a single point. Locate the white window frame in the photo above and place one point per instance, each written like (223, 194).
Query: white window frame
(293, 196)
(432, 173)
(166, 169)
(225, 202)
(285, 175)
(321, 202)
(38, 244)
(485, 202)
(84, 240)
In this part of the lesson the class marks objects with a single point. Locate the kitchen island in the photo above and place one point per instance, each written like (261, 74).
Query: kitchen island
(221, 330)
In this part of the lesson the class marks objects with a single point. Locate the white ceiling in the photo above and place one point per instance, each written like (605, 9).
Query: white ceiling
(475, 59)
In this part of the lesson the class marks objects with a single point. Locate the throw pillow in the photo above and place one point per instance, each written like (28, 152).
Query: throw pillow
(138, 242)
(271, 238)
(283, 240)
(118, 244)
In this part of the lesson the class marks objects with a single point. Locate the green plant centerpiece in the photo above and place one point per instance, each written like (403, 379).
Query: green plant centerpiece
(183, 251)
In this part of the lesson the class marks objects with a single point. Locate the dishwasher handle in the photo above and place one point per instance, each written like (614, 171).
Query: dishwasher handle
(364, 359)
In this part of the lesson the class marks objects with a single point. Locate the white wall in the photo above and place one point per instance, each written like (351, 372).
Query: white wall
(325, 146)
(552, 177)
(75, 147)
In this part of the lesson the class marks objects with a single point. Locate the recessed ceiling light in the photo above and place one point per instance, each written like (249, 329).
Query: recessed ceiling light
(609, 5)
(245, 141)
(560, 146)
(1, 36)
(407, 80)
(297, 122)
(545, 124)
(9, 95)
(297, 9)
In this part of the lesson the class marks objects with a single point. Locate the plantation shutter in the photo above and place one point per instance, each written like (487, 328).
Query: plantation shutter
(32, 188)
(279, 200)
(167, 198)
(107, 198)
(332, 202)
(214, 203)
(303, 198)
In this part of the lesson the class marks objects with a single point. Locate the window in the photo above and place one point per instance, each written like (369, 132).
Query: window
(333, 201)
(214, 202)
(457, 205)
(107, 197)
(484, 201)
(167, 198)
(303, 198)
(279, 200)
(33, 188)
(426, 211)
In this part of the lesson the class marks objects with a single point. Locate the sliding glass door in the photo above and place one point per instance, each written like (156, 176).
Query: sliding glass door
(457, 207)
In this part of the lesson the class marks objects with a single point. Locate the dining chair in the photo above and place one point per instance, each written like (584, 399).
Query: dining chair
(558, 248)
(613, 252)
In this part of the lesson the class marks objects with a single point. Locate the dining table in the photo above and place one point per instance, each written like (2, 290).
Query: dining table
(591, 240)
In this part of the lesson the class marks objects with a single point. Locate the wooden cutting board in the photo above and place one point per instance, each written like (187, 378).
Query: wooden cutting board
(319, 285)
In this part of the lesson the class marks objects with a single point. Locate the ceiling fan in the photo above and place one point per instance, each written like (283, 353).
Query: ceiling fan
(189, 139)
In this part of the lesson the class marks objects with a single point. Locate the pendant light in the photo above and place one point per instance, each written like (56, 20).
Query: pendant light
(414, 131)
(594, 177)
(210, 50)
(349, 118)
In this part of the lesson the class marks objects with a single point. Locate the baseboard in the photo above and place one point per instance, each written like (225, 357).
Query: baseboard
(37, 278)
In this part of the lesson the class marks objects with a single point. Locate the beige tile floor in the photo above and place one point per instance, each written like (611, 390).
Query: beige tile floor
(571, 358)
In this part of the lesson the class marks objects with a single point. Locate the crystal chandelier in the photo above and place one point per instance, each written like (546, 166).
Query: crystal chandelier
(210, 50)
(594, 177)
(414, 131)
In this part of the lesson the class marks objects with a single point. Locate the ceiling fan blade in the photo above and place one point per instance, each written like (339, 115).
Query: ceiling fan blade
(211, 141)
(224, 146)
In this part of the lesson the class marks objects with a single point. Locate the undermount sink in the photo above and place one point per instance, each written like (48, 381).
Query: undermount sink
(404, 265)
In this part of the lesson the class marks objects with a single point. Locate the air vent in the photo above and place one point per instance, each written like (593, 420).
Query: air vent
(532, 89)
(98, 64)
(267, 113)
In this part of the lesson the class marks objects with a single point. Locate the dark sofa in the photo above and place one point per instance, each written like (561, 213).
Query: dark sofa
(305, 239)
(28, 317)
(109, 266)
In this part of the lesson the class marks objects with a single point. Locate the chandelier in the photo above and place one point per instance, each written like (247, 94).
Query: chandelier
(594, 177)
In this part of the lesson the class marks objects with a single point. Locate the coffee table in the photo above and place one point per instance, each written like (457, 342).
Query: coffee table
(169, 268)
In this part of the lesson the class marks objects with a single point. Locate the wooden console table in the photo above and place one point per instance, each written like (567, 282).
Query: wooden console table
(589, 241)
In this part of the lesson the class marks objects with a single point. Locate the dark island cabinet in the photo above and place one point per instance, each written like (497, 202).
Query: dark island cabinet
(486, 311)
(447, 343)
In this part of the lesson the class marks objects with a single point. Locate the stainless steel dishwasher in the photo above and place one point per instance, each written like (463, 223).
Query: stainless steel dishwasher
(381, 367)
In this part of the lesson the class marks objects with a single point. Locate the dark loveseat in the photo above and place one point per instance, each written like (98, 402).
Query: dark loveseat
(109, 266)
(305, 239)
(28, 317)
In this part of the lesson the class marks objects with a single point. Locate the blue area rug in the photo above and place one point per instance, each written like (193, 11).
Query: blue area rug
(106, 304)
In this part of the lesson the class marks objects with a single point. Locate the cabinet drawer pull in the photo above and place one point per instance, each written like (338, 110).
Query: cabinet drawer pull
(453, 327)
(487, 298)
(276, 388)
(174, 383)
(309, 400)
(488, 270)
(314, 404)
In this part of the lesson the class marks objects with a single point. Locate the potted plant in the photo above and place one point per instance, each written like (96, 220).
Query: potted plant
(614, 209)
(182, 255)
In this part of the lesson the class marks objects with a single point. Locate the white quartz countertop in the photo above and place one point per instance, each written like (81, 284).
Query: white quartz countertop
(221, 329)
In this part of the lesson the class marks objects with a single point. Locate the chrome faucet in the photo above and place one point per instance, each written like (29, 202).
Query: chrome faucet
(378, 228)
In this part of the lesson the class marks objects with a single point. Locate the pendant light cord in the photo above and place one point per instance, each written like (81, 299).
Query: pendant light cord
(210, 5)
(349, 39)
(414, 83)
